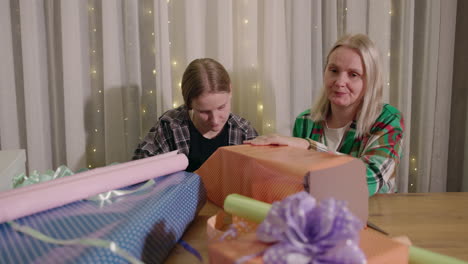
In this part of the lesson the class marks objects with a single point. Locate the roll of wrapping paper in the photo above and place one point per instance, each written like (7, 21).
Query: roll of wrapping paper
(256, 211)
(248, 208)
(35, 198)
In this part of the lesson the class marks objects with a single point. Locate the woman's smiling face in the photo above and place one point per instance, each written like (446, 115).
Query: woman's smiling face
(345, 78)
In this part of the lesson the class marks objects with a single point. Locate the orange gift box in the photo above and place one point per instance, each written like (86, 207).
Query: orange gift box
(271, 173)
(379, 249)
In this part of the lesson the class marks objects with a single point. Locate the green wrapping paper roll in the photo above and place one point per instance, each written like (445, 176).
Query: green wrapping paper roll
(423, 256)
(256, 211)
(246, 207)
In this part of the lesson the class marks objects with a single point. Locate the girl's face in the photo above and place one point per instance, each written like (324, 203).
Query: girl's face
(211, 111)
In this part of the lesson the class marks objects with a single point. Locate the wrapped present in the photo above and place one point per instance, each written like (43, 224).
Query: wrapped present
(377, 248)
(141, 226)
(60, 191)
(271, 173)
(300, 230)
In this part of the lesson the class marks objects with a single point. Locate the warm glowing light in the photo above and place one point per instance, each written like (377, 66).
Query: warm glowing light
(180, 84)
(388, 54)
(154, 71)
(415, 169)
(260, 107)
(152, 34)
(89, 166)
(174, 104)
(268, 125)
(174, 63)
(151, 92)
(100, 91)
(98, 110)
(246, 21)
(94, 71)
(150, 12)
(388, 84)
(390, 12)
(144, 111)
(95, 130)
(94, 29)
(413, 159)
(94, 150)
(94, 51)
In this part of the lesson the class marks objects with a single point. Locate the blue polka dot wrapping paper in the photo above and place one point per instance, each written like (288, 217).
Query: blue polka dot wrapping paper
(146, 224)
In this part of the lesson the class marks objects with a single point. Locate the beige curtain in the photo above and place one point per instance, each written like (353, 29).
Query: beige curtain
(83, 81)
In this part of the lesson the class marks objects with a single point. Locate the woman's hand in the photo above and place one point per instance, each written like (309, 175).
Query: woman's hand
(275, 139)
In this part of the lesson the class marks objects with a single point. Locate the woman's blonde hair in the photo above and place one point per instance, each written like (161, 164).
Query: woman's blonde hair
(371, 104)
(204, 75)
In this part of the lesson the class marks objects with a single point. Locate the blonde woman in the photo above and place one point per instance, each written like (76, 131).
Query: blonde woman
(203, 123)
(349, 117)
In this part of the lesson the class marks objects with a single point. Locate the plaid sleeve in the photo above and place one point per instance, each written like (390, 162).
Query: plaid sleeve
(251, 133)
(157, 141)
(382, 154)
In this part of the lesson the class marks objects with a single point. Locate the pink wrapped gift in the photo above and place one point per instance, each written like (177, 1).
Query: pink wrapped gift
(271, 173)
(378, 248)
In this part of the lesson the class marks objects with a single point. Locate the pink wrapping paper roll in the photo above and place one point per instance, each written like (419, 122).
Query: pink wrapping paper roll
(35, 198)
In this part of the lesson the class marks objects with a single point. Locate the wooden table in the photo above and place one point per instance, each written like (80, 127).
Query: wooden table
(434, 221)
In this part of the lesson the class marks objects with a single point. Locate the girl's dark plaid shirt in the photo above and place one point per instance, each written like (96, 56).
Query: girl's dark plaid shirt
(171, 132)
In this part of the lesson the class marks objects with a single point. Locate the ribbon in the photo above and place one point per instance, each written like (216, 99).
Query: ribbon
(305, 231)
(112, 246)
(190, 249)
(105, 197)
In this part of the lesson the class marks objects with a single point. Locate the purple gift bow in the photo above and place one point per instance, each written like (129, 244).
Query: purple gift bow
(309, 232)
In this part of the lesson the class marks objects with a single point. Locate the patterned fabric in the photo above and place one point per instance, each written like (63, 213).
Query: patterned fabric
(146, 224)
(380, 151)
(171, 132)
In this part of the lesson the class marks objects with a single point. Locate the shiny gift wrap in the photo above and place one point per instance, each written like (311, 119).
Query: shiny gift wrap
(146, 224)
